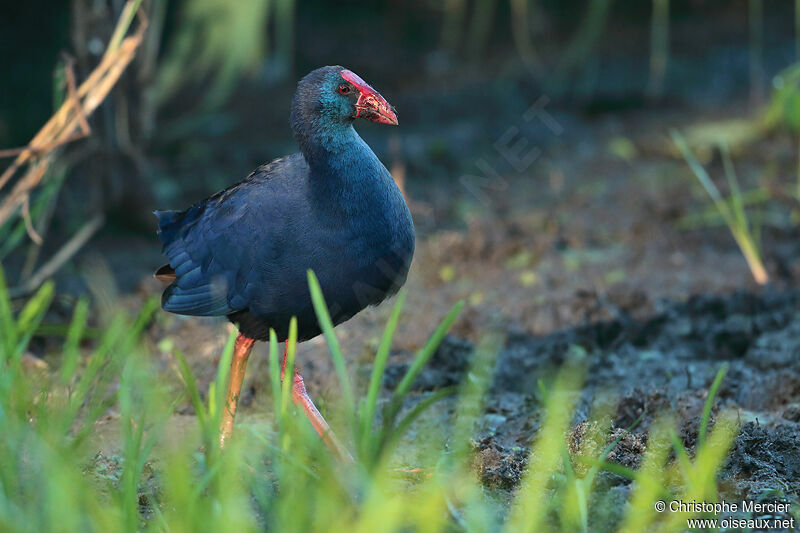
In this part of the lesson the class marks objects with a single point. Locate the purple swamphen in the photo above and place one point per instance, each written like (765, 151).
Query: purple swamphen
(332, 208)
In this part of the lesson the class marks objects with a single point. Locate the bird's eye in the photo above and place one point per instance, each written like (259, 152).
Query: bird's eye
(344, 89)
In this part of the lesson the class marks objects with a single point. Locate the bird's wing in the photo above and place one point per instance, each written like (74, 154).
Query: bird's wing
(212, 246)
(202, 284)
(201, 244)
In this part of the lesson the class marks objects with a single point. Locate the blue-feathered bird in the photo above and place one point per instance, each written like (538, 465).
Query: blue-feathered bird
(333, 208)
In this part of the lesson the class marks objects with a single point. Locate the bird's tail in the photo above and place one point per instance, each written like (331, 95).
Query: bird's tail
(165, 274)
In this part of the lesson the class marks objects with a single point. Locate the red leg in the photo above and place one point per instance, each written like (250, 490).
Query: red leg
(241, 352)
(301, 399)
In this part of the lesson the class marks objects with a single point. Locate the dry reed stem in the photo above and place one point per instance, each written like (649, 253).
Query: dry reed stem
(70, 122)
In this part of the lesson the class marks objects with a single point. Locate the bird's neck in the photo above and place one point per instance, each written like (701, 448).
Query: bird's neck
(323, 142)
(347, 177)
(336, 154)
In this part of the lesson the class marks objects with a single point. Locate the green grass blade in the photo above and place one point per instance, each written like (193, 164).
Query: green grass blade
(288, 367)
(608, 449)
(402, 426)
(379, 367)
(224, 366)
(472, 394)
(797, 187)
(699, 477)
(192, 390)
(32, 314)
(285, 455)
(275, 375)
(216, 405)
(703, 177)
(602, 464)
(712, 394)
(649, 479)
(659, 47)
(545, 457)
(424, 355)
(132, 415)
(94, 388)
(151, 305)
(680, 452)
(326, 324)
(97, 359)
(35, 309)
(8, 326)
(71, 358)
(737, 202)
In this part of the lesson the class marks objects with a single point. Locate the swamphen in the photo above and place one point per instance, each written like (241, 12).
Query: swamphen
(332, 208)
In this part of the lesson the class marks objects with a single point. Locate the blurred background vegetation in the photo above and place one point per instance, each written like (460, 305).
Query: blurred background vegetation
(207, 95)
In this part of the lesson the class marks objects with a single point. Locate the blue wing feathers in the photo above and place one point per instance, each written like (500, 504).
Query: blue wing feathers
(190, 242)
(211, 246)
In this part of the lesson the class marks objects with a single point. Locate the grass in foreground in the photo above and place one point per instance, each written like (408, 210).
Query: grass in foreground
(280, 477)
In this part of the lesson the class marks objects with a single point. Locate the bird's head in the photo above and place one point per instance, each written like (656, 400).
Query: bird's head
(340, 95)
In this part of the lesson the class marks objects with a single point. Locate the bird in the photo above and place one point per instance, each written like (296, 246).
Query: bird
(332, 208)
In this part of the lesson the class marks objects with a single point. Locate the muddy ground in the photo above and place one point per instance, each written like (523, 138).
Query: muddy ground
(661, 364)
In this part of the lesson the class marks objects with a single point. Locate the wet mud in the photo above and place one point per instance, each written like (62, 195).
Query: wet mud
(661, 364)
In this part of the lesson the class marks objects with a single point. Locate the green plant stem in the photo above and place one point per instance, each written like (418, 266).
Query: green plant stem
(326, 324)
(454, 11)
(756, 19)
(521, 33)
(797, 191)
(125, 20)
(585, 38)
(659, 48)
(480, 26)
(379, 368)
(709, 404)
(732, 212)
(797, 30)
